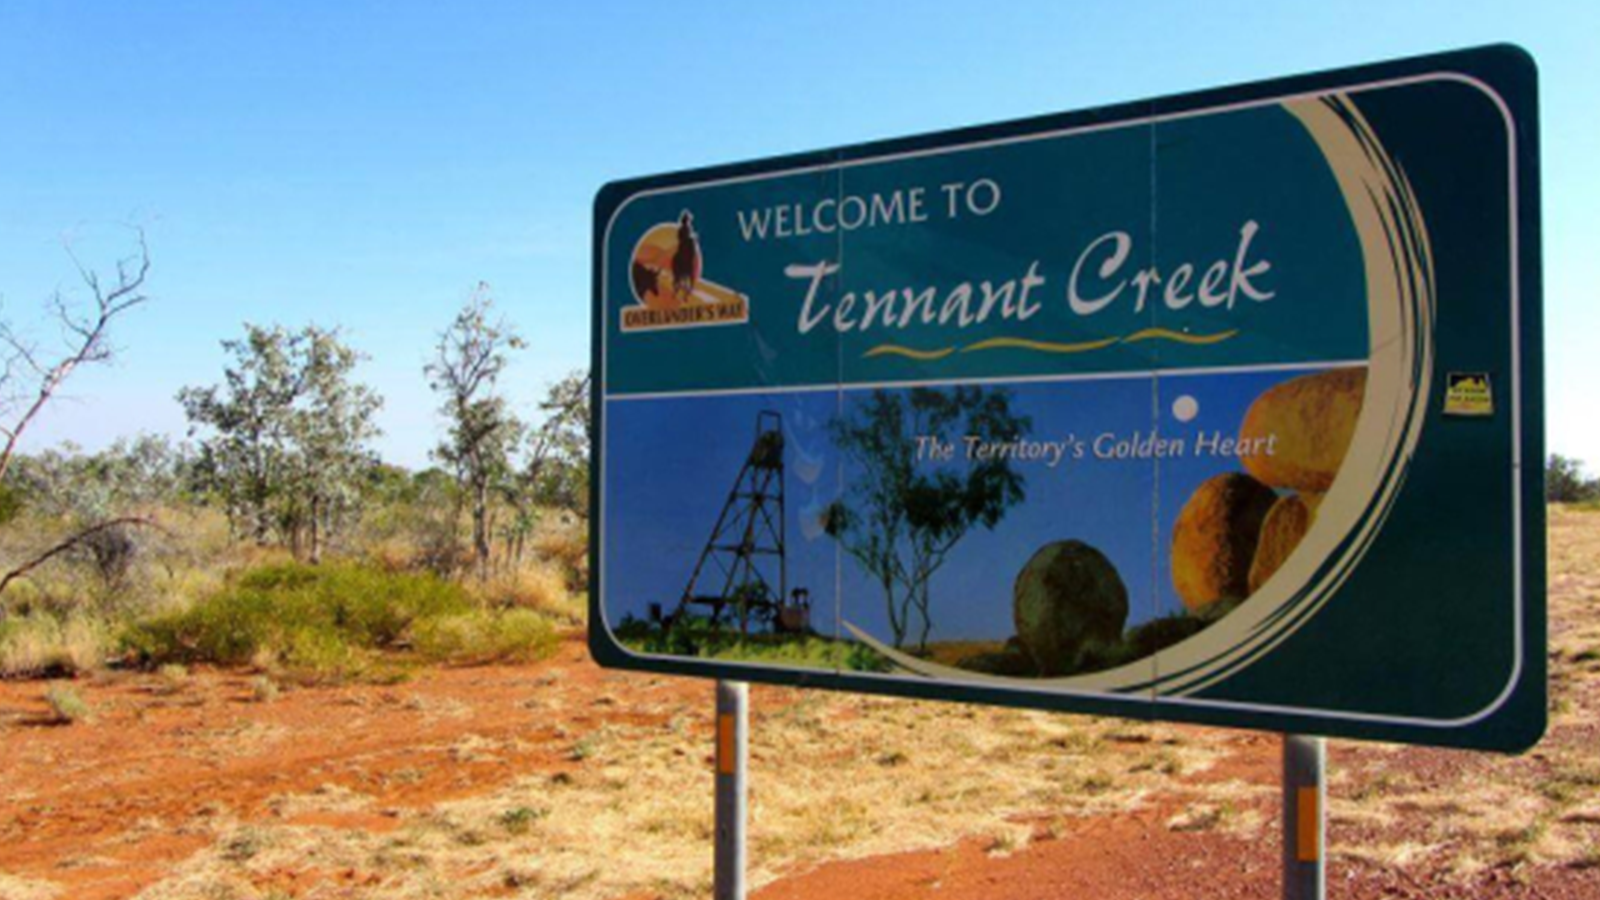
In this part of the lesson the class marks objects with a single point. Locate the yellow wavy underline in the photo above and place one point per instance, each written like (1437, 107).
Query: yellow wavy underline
(1001, 343)
(897, 350)
(1170, 335)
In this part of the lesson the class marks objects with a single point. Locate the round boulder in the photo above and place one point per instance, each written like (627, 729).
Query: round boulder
(1214, 540)
(1285, 525)
(1067, 599)
(1310, 421)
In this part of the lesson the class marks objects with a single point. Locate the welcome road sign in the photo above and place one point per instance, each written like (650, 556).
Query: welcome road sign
(1219, 408)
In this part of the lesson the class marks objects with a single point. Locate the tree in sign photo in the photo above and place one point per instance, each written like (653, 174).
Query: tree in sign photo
(899, 520)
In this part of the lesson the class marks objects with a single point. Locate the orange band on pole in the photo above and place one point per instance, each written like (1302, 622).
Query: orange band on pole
(1308, 825)
(725, 749)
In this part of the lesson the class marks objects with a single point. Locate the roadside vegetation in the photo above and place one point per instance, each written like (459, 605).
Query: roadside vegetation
(1565, 482)
(275, 538)
(279, 550)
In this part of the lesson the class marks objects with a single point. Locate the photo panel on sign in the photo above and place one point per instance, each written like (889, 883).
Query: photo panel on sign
(712, 412)
(986, 420)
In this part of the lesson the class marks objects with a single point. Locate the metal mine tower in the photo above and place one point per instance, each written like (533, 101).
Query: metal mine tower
(743, 570)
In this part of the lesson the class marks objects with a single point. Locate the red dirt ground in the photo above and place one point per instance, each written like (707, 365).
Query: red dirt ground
(97, 807)
(75, 795)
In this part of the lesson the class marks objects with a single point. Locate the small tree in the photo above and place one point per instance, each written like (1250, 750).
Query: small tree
(244, 461)
(288, 449)
(555, 473)
(558, 454)
(1564, 481)
(330, 430)
(468, 360)
(900, 519)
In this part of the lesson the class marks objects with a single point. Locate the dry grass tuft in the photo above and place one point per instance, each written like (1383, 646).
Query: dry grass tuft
(538, 586)
(395, 553)
(564, 540)
(43, 644)
(837, 777)
(477, 637)
(263, 689)
(15, 888)
(172, 678)
(66, 705)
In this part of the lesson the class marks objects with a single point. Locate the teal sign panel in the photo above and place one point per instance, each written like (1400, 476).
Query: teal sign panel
(1220, 408)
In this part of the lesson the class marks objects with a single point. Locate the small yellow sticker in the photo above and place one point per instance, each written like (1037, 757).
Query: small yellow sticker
(1468, 394)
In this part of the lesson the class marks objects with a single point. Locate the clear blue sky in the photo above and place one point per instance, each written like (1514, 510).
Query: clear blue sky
(364, 164)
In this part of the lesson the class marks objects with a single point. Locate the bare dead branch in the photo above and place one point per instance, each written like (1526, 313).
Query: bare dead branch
(73, 541)
(86, 341)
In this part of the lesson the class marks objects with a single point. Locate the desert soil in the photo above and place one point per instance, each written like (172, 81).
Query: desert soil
(560, 779)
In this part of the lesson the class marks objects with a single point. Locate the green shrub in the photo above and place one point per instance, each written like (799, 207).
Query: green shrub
(12, 504)
(307, 614)
(372, 607)
(313, 655)
(329, 622)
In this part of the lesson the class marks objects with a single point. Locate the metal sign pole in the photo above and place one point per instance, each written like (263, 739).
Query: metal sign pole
(1304, 803)
(733, 756)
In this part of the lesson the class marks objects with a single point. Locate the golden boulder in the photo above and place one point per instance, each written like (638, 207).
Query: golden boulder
(1286, 524)
(1214, 540)
(1307, 423)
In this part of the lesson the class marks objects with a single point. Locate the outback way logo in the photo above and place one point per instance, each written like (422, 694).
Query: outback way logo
(666, 275)
(1468, 394)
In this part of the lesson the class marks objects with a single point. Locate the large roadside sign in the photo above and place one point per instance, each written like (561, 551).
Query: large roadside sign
(1219, 408)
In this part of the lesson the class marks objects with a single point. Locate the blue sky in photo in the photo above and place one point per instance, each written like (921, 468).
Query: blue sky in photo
(675, 461)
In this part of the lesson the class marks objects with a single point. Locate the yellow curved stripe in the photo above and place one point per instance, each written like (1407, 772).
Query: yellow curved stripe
(1167, 334)
(897, 350)
(1004, 343)
(1041, 346)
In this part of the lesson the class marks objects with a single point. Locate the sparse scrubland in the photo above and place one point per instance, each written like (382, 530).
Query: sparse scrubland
(358, 617)
(558, 779)
(277, 540)
(269, 666)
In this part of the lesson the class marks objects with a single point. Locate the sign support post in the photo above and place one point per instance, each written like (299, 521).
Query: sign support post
(1304, 815)
(733, 757)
